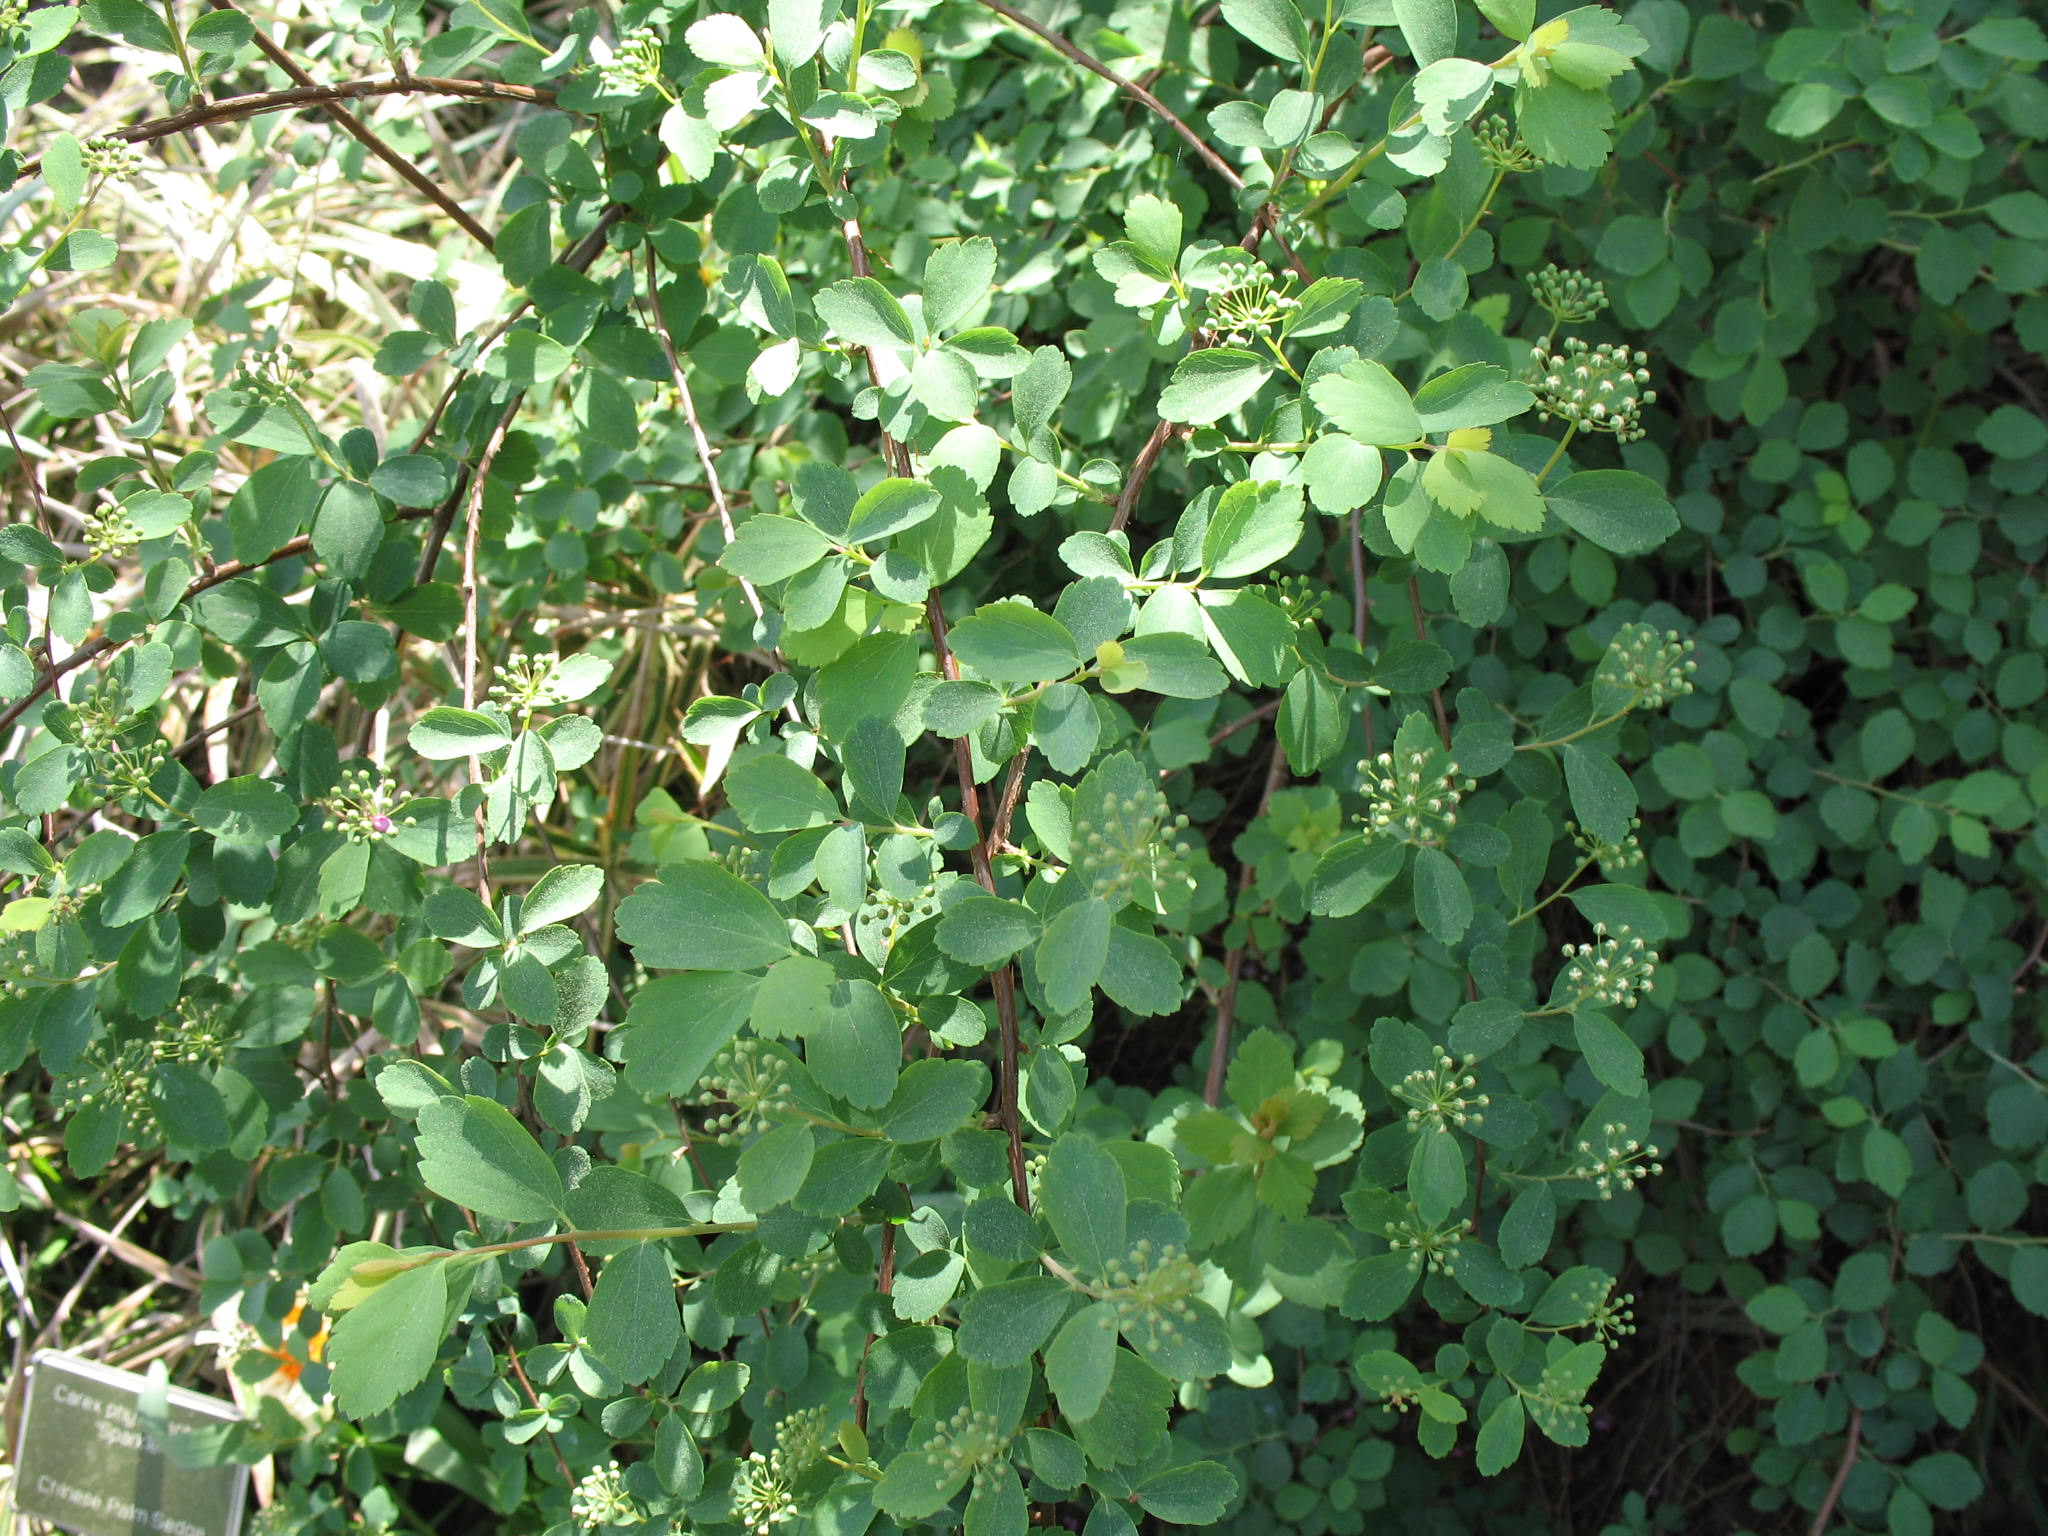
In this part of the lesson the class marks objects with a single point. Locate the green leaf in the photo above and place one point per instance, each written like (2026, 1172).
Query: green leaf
(891, 507)
(1379, 1285)
(1621, 511)
(246, 810)
(1069, 958)
(768, 549)
(854, 1054)
(1603, 796)
(1615, 1060)
(1367, 402)
(1006, 1324)
(1500, 1437)
(384, 1346)
(1526, 1228)
(1429, 27)
(633, 1325)
(934, 1098)
(1256, 524)
(445, 733)
(1276, 26)
(986, 930)
(1436, 1174)
(700, 917)
(1212, 383)
(1014, 643)
(1194, 1493)
(1443, 901)
(773, 1168)
(957, 275)
(772, 794)
(1351, 873)
(1081, 1359)
(474, 1153)
(861, 310)
(1082, 1194)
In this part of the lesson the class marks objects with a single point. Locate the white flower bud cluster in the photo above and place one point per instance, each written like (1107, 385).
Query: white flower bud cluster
(971, 1438)
(1251, 307)
(600, 1499)
(110, 531)
(11, 12)
(1411, 799)
(635, 63)
(1501, 147)
(270, 376)
(526, 683)
(1597, 388)
(361, 809)
(1553, 1406)
(1612, 972)
(1610, 856)
(1657, 666)
(1135, 850)
(1570, 297)
(1153, 1286)
(764, 1493)
(114, 158)
(1440, 1095)
(1434, 1247)
(1619, 1162)
(750, 1078)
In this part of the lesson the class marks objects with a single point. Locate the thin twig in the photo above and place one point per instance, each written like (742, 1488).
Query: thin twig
(364, 135)
(695, 424)
(233, 109)
(1834, 1494)
(1233, 961)
(1131, 88)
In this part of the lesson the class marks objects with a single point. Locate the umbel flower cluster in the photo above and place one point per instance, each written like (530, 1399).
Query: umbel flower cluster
(1618, 1163)
(110, 532)
(753, 1081)
(272, 375)
(1595, 388)
(635, 63)
(1570, 297)
(1610, 856)
(1501, 147)
(113, 158)
(600, 1499)
(1153, 1286)
(1434, 1248)
(1410, 798)
(1441, 1095)
(1656, 666)
(764, 1494)
(1251, 307)
(968, 1441)
(361, 808)
(1136, 851)
(1612, 972)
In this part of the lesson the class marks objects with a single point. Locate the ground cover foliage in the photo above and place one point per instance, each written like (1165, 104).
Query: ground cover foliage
(845, 766)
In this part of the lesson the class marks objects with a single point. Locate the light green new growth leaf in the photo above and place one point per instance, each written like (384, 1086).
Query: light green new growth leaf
(384, 1346)
(1366, 401)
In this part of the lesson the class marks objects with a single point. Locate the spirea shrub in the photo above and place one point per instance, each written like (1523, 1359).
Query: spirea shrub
(900, 765)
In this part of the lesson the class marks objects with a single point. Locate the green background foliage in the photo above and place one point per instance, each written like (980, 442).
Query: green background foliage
(904, 766)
